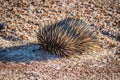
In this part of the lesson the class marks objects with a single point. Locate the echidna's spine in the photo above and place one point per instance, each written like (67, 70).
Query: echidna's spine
(67, 37)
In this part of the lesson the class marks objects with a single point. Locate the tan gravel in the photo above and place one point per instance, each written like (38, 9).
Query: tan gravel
(20, 58)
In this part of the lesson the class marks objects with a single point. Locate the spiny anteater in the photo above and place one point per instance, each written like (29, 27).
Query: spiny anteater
(67, 37)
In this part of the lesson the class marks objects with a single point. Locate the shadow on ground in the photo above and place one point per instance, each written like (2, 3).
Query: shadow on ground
(25, 53)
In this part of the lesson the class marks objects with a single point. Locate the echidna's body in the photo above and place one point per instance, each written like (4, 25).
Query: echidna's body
(67, 37)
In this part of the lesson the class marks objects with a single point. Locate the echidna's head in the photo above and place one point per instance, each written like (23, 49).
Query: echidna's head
(52, 45)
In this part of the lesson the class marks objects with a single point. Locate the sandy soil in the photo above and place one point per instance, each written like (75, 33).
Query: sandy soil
(20, 58)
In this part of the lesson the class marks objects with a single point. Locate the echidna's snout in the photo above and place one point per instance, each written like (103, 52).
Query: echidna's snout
(51, 46)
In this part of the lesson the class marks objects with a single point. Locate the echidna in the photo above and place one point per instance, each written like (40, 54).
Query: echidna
(67, 37)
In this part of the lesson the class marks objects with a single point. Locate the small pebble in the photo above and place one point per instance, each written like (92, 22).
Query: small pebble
(1, 26)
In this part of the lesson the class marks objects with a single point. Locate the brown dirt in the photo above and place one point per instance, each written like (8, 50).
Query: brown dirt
(19, 21)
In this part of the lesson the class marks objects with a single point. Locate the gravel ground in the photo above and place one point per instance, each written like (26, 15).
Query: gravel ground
(20, 58)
